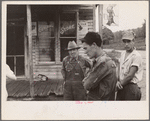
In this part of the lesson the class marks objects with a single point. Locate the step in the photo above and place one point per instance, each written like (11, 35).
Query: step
(47, 66)
(47, 70)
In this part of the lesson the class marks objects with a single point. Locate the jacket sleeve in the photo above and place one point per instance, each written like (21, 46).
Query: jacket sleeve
(88, 66)
(95, 76)
(88, 63)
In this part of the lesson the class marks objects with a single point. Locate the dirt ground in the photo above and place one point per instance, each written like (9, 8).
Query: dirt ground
(144, 82)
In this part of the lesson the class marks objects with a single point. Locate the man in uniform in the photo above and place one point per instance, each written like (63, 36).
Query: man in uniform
(74, 70)
(101, 81)
(131, 70)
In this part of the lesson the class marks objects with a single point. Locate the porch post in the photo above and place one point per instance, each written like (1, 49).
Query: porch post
(29, 31)
(57, 40)
(26, 53)
(77, 34)
(100, 16)
(94, 18)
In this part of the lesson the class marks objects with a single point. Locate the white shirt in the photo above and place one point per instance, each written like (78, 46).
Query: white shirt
(9, 73)
(133, 59)
(9, 76)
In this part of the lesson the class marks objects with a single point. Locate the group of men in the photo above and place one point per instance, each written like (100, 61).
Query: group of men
(84, 80)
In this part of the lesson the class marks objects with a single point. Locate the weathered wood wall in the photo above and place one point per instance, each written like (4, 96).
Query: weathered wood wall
(42, 64)
(86, 21)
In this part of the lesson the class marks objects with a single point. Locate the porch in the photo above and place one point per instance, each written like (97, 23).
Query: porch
(38, 36)
(43, 90)
(50, 90)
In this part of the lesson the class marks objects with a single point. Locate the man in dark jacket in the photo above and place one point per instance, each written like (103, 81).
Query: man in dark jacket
(74, 69)
(101, 81)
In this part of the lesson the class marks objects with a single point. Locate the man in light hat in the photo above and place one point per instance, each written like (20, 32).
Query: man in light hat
(130, 70)
(101, 80)
(74, 69)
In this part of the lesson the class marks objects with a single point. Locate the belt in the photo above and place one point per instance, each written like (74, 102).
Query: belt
(134, 84)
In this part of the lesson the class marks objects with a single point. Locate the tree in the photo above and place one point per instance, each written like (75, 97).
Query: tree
(144, 28)
(107, 35)
(140, 31)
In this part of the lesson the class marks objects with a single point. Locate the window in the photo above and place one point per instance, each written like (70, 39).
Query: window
(67, 31)
(46, 42)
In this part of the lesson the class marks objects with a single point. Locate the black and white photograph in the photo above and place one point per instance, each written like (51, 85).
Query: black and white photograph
(74, 60)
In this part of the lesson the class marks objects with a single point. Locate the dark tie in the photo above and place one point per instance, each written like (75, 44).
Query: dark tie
(73, 59)
(94, 62)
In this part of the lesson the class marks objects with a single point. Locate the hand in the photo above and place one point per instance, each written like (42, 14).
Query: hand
(64, 83)
(83, 81)
(119, 86)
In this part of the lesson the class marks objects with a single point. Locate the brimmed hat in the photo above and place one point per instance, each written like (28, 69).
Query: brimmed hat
(129, 35)
(72, 45)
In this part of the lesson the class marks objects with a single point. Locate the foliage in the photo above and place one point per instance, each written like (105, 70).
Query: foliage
(107, 35)
(115, 55)
(140, 32)
(118, 45)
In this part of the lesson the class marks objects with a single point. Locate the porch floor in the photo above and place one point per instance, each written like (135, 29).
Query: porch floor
(20, 89)
(50, 90)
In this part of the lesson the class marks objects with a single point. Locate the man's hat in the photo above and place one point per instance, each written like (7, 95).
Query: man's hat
(91, 36)
(72, 45)
(129, 35)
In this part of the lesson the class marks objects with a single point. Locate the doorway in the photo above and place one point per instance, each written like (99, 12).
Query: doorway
(15, 50)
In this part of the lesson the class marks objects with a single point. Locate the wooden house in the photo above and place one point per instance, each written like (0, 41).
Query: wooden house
(37, 36)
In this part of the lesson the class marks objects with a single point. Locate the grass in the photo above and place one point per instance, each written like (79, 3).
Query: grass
(115, 55)
(118, 44)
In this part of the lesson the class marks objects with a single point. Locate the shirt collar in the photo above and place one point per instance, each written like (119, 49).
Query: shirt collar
(75, 58)
(133, 52)
(129, 56)
(98, 58)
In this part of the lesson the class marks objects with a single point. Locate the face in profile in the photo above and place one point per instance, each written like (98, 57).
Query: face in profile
(73, 53)
(128, 44)
(89, 50)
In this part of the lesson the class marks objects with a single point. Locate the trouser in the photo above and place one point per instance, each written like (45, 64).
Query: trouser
(109, 97)
(74, 90)
(129, 92)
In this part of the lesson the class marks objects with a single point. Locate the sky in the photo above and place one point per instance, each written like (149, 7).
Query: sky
(129, 15)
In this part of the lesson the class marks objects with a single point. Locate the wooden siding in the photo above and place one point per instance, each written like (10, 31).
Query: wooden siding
(51, 71)
(85, 15)
(41, 42)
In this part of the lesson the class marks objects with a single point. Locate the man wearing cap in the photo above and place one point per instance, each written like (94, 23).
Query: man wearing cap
(74, 70)
(101, 80)
(130, 70)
